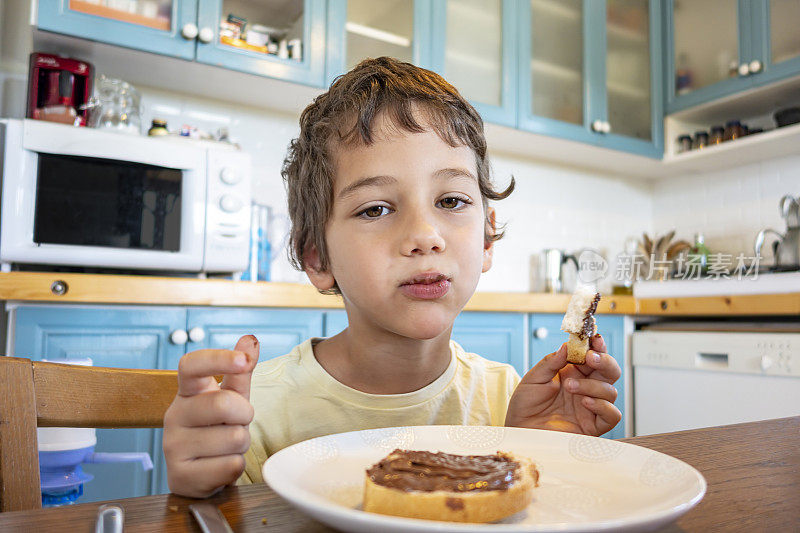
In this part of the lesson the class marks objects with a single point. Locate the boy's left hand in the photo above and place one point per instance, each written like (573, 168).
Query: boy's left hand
(566, 397)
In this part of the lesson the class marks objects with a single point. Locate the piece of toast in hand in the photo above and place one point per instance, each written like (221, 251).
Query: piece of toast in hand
(580, 323)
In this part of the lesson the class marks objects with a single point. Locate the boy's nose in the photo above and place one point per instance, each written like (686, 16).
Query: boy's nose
(421, 238)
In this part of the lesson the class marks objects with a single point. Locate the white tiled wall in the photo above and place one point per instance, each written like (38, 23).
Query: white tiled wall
(729, 207)
(557, 207)
(551, 206)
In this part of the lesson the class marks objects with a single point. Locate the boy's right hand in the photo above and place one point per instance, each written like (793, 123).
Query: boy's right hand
(206, 427)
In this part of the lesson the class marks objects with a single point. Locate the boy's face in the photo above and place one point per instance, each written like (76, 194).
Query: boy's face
(406, 234)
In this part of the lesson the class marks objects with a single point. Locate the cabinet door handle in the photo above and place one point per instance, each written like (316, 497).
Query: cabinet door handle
(540, 333)
(597, 126)
(606, 127)
(744, 69)
(179, 337)
(206, 35)
(189, 31)
(755, 66)
(197, 334)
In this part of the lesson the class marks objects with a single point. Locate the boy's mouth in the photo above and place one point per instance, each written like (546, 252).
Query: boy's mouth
(426, 286)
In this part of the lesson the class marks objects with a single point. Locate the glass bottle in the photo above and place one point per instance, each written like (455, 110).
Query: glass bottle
(158, 128)
(698, 255)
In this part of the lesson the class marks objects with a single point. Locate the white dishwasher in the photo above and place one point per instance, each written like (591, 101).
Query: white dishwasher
(704, 376)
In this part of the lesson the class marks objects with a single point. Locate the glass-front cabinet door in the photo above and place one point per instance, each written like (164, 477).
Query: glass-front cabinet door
(586, 72)
(476, 53)
(780, 39)
(632, 82)
(278, 38)
(165, 27)
(553, 69)
(711, 51)
(361, 29)
(784, 30)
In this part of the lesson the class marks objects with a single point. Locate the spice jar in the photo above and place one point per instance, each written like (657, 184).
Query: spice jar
(158, 128)
(717, 133)
(700, 140)
(733, 130)
(684, 143)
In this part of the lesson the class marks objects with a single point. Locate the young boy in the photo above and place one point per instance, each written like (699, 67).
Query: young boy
(388, 186)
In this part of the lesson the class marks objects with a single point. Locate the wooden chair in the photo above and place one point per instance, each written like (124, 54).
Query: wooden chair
(37, 394)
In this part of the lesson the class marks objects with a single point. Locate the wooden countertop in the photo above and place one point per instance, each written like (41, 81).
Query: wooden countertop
(152, 290)
(114, 289)
(752, 471)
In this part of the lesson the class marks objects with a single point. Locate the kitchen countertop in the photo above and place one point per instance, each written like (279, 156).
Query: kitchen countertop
(152, 290)
(752, 471)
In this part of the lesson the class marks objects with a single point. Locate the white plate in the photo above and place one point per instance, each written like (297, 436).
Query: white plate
(586, 483)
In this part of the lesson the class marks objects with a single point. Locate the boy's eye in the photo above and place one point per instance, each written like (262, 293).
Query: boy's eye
(452, 202)
(374, 211)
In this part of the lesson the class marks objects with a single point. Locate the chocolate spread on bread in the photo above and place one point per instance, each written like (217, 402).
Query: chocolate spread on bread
(427, 471)
(588, 319)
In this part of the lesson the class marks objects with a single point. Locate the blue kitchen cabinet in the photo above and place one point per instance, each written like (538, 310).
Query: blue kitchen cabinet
(359, 29)
(718, 48)
(590, 71)
(158, 31)
(496, 336)
(125, 337)
(140, 337)
(474, 46)
(277, 330)
(190, 29)
(335, 322)
(546, 337)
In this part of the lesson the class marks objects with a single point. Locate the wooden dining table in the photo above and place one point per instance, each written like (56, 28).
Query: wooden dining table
(752, 470)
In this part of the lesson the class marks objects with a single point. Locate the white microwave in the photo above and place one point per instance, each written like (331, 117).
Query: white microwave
(83, 197)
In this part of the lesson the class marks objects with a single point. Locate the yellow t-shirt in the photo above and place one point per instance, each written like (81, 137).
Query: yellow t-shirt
(296, 399)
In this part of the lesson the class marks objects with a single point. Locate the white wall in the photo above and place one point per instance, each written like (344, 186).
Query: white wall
(729, 207)
(551, 207)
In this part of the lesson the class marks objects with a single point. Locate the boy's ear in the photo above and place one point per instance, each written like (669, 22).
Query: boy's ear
(321, 279)
(488, 245)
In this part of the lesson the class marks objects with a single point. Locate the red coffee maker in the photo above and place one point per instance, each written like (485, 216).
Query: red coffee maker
(58, 87)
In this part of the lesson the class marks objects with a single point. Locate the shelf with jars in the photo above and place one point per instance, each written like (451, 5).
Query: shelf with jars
(744, 128)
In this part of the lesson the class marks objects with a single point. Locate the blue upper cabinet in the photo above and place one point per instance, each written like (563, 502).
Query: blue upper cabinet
(495, 336)
(149, 25)
(776, 40)
(590, 71)
(360, 29)
(284, 40)
(715, 48)
(473, 46)
(630, 105)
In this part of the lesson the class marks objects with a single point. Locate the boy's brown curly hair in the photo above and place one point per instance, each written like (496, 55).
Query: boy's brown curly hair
(344, 116)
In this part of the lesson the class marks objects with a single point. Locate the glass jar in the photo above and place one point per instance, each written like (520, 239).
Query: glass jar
(733, 130)
(158, 128)
(700, 140)
(716, 136)
(684, 143)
